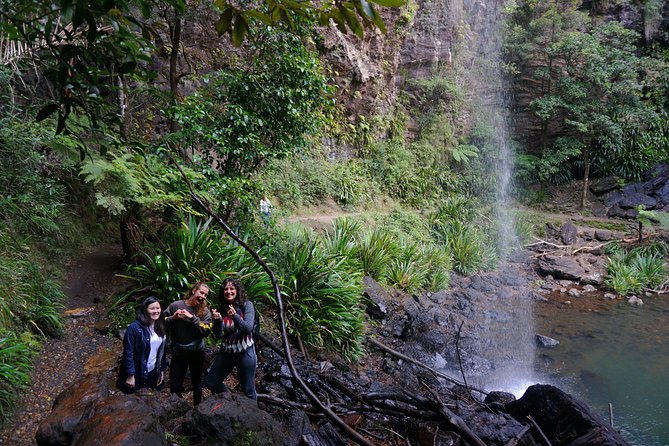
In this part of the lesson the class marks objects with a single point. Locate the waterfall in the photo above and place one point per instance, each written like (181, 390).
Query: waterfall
(506, 337)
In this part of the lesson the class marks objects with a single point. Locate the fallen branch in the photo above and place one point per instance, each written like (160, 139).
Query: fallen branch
(420, 364)
(455, 421)
(351, 433)
(544, 242)
(591, 248)
(516, 438)
(536, 426)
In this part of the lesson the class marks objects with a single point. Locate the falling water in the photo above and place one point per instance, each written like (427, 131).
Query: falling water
(506, 338)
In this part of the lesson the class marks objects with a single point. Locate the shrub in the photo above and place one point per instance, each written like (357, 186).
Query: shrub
(642, 267)
(322, 297)
(466, 246)
(406, 271)
(16, 359)
(375, 251)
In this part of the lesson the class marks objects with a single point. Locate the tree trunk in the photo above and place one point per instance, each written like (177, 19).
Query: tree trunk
(586, 176)
(175, 40)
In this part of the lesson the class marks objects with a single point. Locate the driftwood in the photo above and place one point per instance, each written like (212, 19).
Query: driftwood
(351, 433)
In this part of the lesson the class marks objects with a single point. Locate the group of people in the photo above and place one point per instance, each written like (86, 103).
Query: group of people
(185, 324)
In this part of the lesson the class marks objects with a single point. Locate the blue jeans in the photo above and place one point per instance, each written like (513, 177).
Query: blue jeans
(222, 366)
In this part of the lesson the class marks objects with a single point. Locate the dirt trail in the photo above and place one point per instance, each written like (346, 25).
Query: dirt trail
(61, 362)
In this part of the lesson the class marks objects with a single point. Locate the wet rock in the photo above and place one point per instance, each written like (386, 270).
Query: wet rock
(547, 342)
(499, 397)
(598, 209)
(564, 419)
(230, 419)
(632, 201)
(610, 296)
(634, 300)
(496, 429)
(574, 292)
(589, 289)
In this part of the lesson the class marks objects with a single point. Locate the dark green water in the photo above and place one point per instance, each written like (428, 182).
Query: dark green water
(612, 352)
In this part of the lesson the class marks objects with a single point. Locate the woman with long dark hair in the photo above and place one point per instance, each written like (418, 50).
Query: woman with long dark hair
(234, 325)
(189, 322)
(143, 361)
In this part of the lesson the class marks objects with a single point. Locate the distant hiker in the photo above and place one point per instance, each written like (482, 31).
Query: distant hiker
(265, 209)
(235, 328)
(143, 361)
(188, 323)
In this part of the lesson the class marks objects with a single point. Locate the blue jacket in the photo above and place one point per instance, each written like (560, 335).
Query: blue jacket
(136, 350)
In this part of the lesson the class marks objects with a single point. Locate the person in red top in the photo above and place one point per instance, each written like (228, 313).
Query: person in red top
(234, 325)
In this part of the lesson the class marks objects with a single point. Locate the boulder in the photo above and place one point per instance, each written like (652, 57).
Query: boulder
(569, 233)
(59, 427)
(377, 298)
(604, 235)
(121, 420)
(231, 419)
(561, 267)
(497, 428)
(565, 420)
(547, 342)
(603, 185)
(632, 201)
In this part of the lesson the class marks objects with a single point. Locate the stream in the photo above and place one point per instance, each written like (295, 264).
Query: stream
(611, 352)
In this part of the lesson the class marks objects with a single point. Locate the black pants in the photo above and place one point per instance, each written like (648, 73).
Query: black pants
(222, 366)
(182, 360)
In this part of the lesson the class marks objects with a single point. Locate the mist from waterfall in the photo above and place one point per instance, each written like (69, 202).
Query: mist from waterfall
(507, 343)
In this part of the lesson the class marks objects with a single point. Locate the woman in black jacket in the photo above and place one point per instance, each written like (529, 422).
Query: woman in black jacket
(234, 325)
(143, 361)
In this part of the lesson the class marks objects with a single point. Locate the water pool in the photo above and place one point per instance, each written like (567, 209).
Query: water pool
(611, 352)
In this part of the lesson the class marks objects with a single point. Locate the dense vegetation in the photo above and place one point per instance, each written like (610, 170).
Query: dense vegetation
(122, 99)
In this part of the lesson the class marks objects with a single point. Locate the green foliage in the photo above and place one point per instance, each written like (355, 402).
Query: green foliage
(16, 358)
(85, 45)
(375, 251)
(642, 267)
(187, 254)
(465, 244)
(322, 295)
(124, 180)
(643, 147)
(308, 180)
(419, 266)
(468, 246)
(257, 111)
(590, 92)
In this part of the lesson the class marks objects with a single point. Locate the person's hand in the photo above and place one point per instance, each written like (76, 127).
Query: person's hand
(161, 378)
(231, 311)
(183, 314)
(215, 314)
(130, 381)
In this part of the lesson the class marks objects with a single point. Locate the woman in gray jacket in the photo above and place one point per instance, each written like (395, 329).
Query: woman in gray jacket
(234, 325)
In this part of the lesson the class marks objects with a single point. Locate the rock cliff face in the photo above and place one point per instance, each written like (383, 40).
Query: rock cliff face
(372, 72)
(432, 38)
